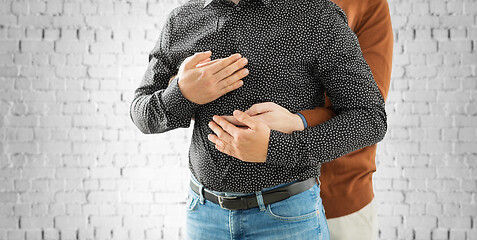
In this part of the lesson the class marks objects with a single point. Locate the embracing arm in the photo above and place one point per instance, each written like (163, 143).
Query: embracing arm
(360, 115)
(375, 36)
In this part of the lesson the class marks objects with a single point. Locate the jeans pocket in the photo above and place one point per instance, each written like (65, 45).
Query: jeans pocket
(300, 207)
(192, 200)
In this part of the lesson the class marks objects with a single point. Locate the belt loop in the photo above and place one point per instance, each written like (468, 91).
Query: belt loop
(201, 194)
(260, 200)
(319, 182)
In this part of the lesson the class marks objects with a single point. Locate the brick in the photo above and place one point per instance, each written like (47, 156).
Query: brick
(105, 172)
(421, 47)
(35, 21)
(9, 46)
(37, 197)
(20, 7)
(71, 8)
(420, 197)
(440, 34)
(105, 221)
(104, 72)
(56, 121)
(456, 46)
(71, 72)
(438, 7)
(454, 222)
(99, 21)
(457, 21)
(36, 222)
(33, 173)
(71, 197)
(419, 173)
(71, 173)
(37, 7)
(14, 147)
(424, 222)
(421, 72)
(36, 46)
(69, 46)
(51, 234)
(33, 234)
(423, 21)
(8, 19)
(103, 197)
(106, 47)
(419, 96)
(68, 21)
(420, 8)
(54, 6)
(70, 222)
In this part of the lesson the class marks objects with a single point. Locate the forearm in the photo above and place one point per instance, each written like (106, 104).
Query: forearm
(360, 118)
(170, 80)
(317, 115)
(342, 134)
(161, 111)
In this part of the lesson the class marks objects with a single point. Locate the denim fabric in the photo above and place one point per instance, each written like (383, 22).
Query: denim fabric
(298, 217)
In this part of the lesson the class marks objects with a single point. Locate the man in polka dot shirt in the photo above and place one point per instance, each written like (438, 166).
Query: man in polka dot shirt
(347, 188)
(296, 51)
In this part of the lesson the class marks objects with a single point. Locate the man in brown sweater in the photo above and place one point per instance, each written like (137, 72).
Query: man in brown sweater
(346, 182)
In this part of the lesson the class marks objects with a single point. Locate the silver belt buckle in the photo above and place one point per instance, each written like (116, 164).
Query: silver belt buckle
(221, 200)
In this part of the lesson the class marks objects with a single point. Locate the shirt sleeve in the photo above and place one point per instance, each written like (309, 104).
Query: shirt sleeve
(375, 36)
(360, 118)
(157, 105)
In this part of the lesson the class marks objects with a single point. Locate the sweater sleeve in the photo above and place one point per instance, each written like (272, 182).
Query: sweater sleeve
(360, 118)
(157, 105)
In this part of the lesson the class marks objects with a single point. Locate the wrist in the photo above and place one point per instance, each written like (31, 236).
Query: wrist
(300, 121)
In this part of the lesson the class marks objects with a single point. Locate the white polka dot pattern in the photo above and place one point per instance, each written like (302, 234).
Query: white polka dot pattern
(297, 50)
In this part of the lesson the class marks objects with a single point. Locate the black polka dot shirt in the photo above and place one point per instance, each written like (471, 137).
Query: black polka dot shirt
(297, 50)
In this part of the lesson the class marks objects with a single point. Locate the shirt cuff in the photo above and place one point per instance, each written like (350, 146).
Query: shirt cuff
(175, 102)
(305, 124)
(283, 149)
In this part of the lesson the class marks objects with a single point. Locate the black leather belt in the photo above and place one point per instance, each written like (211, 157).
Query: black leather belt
(250, 201)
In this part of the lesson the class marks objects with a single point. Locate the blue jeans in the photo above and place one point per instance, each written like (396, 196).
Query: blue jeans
(298, 217)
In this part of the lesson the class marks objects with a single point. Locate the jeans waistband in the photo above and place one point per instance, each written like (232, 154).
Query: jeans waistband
(239, 194)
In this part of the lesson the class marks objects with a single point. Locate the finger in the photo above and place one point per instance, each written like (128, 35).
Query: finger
(226, 126)
(224, 62)
(260, 108)
(230, 88)
(207, 63)
(232, 68)
(220, 145)
(196, 59)
(232, 120)
(203, 62)
(233, 82)
(223, 135)
(246, 119)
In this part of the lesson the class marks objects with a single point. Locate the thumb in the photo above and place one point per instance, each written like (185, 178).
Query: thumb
(245, 119)
(259, 108)
(197, 58)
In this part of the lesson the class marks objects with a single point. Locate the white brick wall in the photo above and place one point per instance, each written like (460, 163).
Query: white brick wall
(73, 166)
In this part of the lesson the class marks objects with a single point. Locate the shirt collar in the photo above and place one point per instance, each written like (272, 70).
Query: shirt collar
(267, 3)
